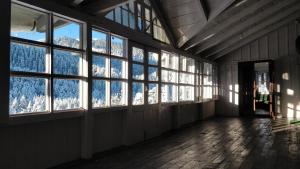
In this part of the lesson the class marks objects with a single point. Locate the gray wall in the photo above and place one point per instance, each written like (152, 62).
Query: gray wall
(46, 144)
(279, 46)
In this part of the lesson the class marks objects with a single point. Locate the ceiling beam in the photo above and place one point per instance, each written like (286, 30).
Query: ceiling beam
(102, 6)
(225, 20)
(257, 35)
(260, 16)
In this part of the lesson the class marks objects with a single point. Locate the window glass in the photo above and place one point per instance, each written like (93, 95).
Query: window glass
(125, 18)
(100, 98)
(118, 15)
(27, 95)
(186, 78)
(153, 74)
(152, 58)
(186, 93)
(137, 72)
(66, 94)
(100, 66)
(118, 93)
(207, 92)
(169, 76)
(187, 64)
(28, 24)
(66, 63)
(66, 33)
(117, 46)
(137, 54)
(99, 42)
(137, 93)
(27, 58)
(207, 80)
(152, 93)
(169, 93)
(118, 68)
(207, 69)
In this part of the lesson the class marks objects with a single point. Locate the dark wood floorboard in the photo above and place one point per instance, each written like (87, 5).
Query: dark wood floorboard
(220, 143)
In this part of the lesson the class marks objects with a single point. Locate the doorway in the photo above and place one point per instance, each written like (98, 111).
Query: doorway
(256, 88)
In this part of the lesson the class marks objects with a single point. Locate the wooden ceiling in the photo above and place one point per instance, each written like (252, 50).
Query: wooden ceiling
(211, 28)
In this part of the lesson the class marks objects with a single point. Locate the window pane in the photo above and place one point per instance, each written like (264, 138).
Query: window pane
(137, 54)
(110, 15)
(186, 78)
(137, 72)
(207, 92)
(125, 18)
(147, 14)
(100, 98)
(152, 58)
(118, 15)
(152, 93)
(66, 33)
(117, 46)
(118, 93)
(99, 42)
(27, 58)
(169, 76)
(66, 94)
(27, 95)
(100, 66)
(28, 24)
(169, 93)
(169, 60)
(187, 64)
(186, 93)
(66, 63)
(207, 69)
(165, 59)
(153, 74)
(131, 21)
(118, 68)
(207, 80)
(137, 93)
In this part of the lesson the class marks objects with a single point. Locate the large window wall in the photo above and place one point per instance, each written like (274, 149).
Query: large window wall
(49, 68)
(47, 72)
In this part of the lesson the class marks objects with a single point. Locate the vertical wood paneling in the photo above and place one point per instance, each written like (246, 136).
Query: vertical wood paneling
(273, 45)
(245, 53)
(292, 37)
(263, 48)
(283, 41)
(254, 50)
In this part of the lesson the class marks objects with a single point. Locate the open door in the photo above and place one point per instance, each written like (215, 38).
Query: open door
(246, 80)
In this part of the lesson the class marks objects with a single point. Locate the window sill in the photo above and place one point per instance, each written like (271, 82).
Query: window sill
(33, 118)
(109, 109)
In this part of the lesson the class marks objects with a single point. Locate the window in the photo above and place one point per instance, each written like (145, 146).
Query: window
(138, 78)
(169, 77)
(41, 80)
(109, 70)
(159, 32)
(186, 79)
(139, 15)
(123, 15)
(153, 77)
(207, 78)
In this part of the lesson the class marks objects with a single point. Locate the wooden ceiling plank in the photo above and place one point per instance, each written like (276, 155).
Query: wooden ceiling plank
(238, 29)
(257, 35)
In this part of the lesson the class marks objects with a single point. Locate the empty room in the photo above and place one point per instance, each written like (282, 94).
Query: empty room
(150, 84)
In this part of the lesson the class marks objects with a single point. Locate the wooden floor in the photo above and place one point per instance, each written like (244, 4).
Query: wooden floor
(214, 144)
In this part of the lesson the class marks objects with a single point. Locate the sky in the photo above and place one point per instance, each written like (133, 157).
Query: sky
(70, 30)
